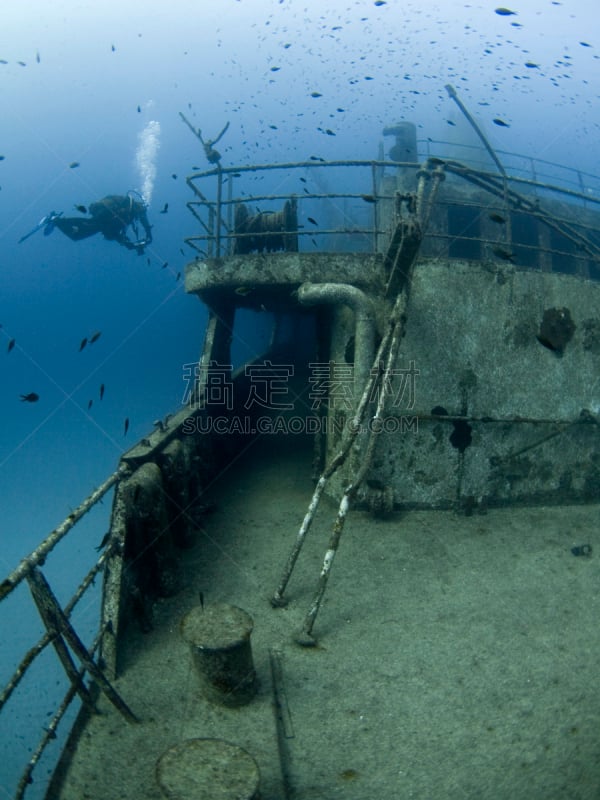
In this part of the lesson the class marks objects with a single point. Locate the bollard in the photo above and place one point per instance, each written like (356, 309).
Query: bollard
(219, 638)
(207, 769)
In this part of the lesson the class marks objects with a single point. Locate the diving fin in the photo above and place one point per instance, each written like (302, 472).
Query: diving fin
(47, 223)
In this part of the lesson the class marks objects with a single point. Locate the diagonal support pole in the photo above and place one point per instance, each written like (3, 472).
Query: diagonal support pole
(278, 600)
(387, 352)
(62, 652)
(60, 629)
(305, 636)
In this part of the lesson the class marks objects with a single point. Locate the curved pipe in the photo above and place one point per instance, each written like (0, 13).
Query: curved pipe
(364, 333)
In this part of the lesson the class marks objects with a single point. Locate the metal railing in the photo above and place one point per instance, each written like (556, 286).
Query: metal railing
(216, 217)
(529, 168)
(154, 472)
(58, 628)
(351, 220)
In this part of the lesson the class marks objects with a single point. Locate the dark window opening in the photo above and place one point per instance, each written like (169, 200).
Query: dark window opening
(563, 260)
(525, 243)
(463, 232)
(594, 266)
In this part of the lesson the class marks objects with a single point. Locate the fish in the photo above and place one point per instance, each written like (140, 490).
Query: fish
(497, 218)
(316, 94)
(11, 344)
(139, 109)
(174, 176)
(303, 180)
(505, 255)
(368, 198)
(95, 336)
(83, 343)
(89, 404)
(126, 426)
(2, 158)
(329, 132)
(164, 209)
(178, 276)
(312, 221)
(243, 290)
(113, 48)
(101, 391)
(379, 3)
(81, 209)
(73, 164)
(532, 65)
(37, 57)
(32, 397)
(500, 122)
(505, 12)
(275, 69)
(584, 550)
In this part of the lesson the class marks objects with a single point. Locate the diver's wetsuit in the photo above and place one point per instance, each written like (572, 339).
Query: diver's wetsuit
(111, 217)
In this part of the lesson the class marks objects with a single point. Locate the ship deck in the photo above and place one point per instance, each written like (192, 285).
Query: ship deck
(457, 655)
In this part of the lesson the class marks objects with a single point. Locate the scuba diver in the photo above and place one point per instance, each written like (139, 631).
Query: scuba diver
(110, 216)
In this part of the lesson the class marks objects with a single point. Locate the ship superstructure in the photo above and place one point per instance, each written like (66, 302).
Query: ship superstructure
(431, 370)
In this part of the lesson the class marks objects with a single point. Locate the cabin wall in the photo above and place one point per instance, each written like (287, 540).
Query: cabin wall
(489, 415)
(466, 223)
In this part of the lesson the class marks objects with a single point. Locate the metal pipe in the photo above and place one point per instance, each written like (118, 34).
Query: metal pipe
(423, 176)
(508, 229)
(364, 343)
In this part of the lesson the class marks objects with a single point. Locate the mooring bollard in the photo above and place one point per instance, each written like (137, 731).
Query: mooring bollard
(219, 639)
(207, 768)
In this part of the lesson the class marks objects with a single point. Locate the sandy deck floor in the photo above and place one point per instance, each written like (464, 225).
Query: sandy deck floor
(457, 656)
